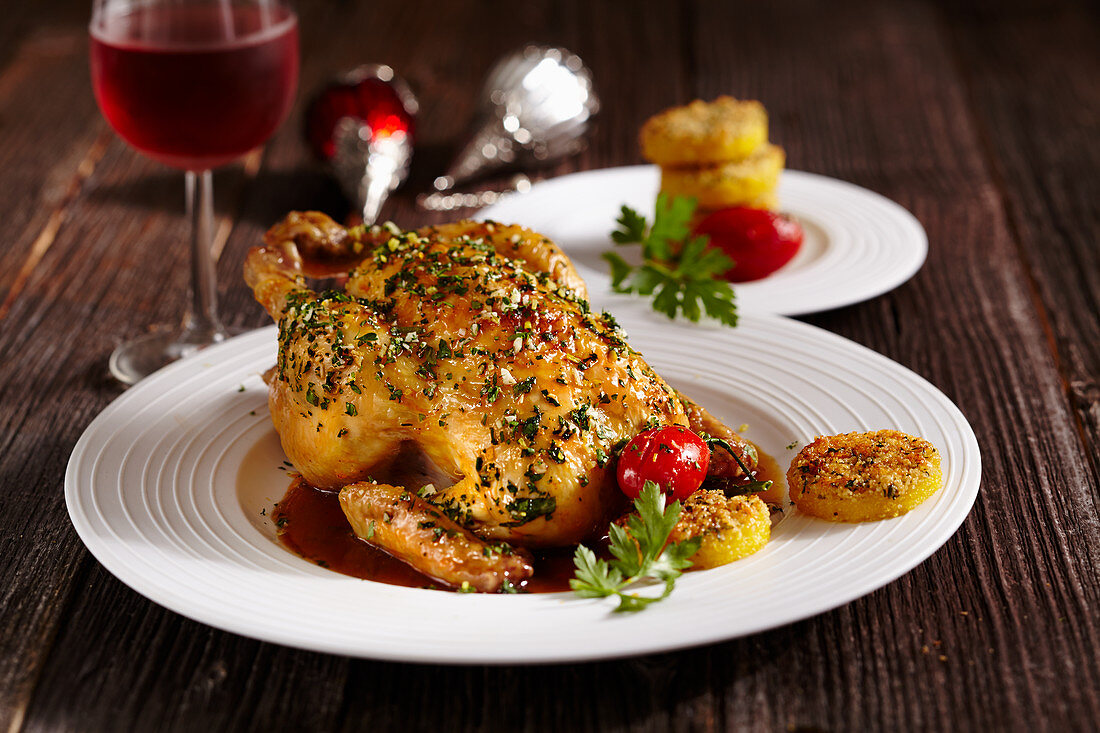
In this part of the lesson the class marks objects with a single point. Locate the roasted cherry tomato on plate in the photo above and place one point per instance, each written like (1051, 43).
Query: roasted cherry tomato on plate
(757, 240)
(673, 457)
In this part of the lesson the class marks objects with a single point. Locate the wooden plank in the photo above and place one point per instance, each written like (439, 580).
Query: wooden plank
(992, 598)
(1037, 124)
(50, 149)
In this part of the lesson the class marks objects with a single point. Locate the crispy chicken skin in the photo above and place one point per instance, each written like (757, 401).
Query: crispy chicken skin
(412, 529)
(473, 341)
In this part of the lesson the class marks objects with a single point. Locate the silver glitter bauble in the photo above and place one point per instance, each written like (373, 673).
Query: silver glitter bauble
(369, 168)
(536, 106)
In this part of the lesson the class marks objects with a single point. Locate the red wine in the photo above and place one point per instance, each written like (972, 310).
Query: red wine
(195, 86)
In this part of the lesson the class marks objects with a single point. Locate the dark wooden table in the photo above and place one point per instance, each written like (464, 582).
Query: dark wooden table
(982, 118)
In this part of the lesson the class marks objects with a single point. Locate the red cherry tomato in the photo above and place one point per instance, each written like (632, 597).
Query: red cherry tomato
(673, 457)
(757, 240)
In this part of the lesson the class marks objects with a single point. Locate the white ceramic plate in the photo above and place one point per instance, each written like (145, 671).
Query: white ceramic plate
(152, 490)
(858, 244)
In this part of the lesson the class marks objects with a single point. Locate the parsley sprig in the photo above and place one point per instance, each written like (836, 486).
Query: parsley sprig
(730, 487)
(680, 272)
(639, 554)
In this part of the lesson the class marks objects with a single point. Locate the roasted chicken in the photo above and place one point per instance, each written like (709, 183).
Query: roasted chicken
(474, 342)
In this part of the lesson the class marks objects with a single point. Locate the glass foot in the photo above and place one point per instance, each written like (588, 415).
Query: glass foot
(134, 360)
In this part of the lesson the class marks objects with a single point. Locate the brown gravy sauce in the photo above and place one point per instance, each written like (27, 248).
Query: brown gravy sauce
(311, 524)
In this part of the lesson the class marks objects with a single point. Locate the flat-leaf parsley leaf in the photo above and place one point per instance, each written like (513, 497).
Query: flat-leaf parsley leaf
(639, 553)
(680, 272)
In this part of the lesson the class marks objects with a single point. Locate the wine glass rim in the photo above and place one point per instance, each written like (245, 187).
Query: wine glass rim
(104, 11)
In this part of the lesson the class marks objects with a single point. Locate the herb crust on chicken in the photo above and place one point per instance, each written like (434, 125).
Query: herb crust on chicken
(475, 342)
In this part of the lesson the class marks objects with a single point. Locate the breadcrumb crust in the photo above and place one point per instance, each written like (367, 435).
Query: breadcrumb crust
(862, 477)
(705, 133)
(730, 528)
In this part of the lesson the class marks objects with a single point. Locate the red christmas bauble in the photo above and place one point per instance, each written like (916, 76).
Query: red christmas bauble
(370, 95)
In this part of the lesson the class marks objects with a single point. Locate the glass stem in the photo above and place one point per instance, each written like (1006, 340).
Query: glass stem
(201, 324)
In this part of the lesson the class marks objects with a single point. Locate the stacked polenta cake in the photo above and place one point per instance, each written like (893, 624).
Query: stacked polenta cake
(715, 152)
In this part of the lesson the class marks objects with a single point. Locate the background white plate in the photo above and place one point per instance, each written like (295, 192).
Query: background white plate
(151, 489)
(858, 244)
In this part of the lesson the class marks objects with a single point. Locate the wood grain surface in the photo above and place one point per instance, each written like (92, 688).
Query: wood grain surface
(982, 118)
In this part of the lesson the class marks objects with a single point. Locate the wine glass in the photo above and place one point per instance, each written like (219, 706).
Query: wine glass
(193, 84)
